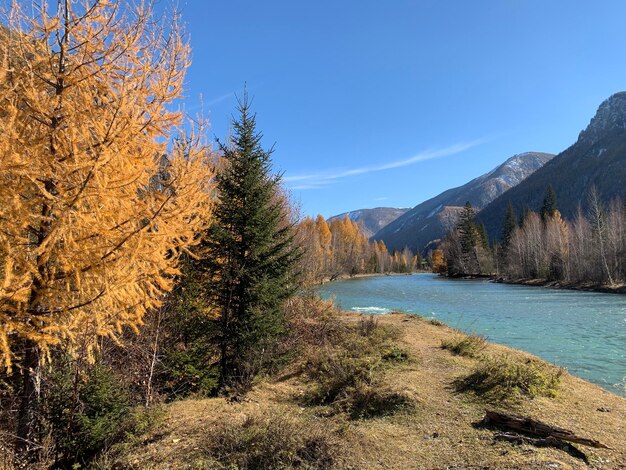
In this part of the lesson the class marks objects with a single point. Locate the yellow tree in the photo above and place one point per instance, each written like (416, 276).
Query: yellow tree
(93, 217)
(438, 262)
(312, 259)
(325, 238)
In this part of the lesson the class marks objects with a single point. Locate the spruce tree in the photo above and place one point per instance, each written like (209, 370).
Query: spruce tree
(525, 214)
(483, 236)
(549, 204)
(467, 229)
(469, 238)
(510, 223)
(249, 253)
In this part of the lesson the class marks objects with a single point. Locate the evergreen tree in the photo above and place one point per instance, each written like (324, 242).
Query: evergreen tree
(525, 213)
(249, 253)
(510, 223)
(549, 204)
(469, 237)
(483, 236)
(467, 229)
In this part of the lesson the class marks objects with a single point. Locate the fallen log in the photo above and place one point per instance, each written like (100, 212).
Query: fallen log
(543, 442)
(535, 427)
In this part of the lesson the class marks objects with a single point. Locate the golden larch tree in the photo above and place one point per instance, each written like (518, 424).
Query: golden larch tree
(93, 215)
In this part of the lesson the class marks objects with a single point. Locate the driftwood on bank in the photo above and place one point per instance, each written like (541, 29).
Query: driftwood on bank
(542, 442)
(535, 427)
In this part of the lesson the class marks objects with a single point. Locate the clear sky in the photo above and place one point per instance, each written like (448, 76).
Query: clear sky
(387, 103)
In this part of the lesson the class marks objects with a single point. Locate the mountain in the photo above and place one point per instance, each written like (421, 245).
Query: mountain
(597, 158)
(431, 219)
(372, 220)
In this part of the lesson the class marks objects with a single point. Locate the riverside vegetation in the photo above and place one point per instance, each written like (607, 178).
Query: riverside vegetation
(155, 311)
(588, 251)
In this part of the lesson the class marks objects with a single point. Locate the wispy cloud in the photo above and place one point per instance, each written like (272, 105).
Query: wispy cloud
(384, 198)
(322, 179)
(219, 99)
(202, 105)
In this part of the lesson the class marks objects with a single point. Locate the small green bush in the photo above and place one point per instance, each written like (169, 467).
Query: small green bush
(88, 410)
(394, 353)
(187, 371)
(271, 442)
(465, 345)
(503, 378)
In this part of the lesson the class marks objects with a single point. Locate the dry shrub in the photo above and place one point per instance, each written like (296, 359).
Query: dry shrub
(280, 441)
(503, 378)
(465, 345)
(336, 372)
(366, 401)
(312, 322)
(347, 371)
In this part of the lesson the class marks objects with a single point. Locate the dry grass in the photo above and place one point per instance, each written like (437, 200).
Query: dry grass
(502, 378)
(271, 441)
(437, 434)
(465, 345)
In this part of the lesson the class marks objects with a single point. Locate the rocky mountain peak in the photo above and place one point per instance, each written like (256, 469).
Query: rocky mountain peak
(610, 115)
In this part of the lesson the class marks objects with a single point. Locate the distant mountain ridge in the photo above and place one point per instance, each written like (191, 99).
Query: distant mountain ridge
(431, 219)
(597, 158)
(372, 220)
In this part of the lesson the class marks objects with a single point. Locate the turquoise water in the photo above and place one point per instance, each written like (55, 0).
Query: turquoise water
(582, 331)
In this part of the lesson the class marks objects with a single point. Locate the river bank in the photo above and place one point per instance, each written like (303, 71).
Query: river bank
(343, 277)
(579, 286)
(438, 432)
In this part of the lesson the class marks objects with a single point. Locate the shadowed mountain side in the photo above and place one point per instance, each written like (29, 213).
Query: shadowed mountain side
(597, 158)
(372, 220)
(430, 220)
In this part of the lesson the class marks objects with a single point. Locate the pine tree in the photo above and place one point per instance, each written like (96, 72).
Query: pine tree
(469, 238)
(549, 204)
(483, 236)
(467, 229)
(249, 252)
(525, 214)
(510, 223)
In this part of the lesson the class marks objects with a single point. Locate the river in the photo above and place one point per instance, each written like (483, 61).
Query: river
(584, 332)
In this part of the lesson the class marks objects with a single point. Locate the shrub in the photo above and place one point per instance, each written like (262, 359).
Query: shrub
(87, 410)
(465, 345)
(434, 321)
(337, 372)
(272, 442)
(503, 378)
(394, 353)
(348, 372)
(369, 401)
(188, 370)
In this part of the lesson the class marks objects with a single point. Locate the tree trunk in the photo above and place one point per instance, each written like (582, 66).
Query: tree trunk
(27, 444)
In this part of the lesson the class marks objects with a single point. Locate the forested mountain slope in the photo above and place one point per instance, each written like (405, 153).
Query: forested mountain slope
(597, 158)
(431, 219)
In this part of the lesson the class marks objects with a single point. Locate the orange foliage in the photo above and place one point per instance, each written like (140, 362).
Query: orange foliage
(93, 217)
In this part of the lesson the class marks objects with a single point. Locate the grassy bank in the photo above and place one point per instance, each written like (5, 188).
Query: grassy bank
(399, 392)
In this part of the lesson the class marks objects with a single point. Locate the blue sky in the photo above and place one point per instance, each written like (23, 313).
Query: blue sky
(388, 103)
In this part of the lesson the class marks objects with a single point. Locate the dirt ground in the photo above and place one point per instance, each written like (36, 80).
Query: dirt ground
(438, 434)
